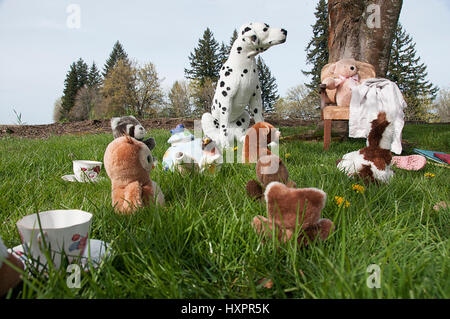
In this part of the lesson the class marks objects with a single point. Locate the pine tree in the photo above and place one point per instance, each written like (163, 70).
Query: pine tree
(223, 53)
(406, 70)
(232, 39)
(269, 88)
(70, 90)
(317, 48)
(205, 61)
(82, 73)
(94, 78)
(117, 53)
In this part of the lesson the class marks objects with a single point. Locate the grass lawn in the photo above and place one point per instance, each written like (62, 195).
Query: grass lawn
(201, 245)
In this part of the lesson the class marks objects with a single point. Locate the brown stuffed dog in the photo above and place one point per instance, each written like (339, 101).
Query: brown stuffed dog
(269, 168)
(128, 163)
(283, 205)
(256, 141)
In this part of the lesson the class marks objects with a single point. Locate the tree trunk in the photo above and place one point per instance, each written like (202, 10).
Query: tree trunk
(363, 30)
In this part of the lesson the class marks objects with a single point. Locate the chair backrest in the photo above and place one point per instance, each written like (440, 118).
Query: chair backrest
(365, 71)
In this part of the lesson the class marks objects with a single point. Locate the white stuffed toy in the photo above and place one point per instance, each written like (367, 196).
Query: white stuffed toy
(372, 163)
(188, 153)
(239, 86)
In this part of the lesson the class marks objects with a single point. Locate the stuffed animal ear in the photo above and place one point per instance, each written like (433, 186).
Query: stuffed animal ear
(365, 70)
(254, 189)
(150, 142)
(332, 68)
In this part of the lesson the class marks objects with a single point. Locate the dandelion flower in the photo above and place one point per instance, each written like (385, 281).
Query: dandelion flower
(358, 188)
(235, 149)
(287, 155)
(341, 202)
(429, 175)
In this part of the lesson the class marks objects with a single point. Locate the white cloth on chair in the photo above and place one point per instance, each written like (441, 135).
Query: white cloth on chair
(371, 97)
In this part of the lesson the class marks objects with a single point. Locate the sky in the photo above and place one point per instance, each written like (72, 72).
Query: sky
(37, 44)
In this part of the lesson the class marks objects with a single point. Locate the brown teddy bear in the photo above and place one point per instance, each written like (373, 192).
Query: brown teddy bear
(257, 140)
(343, 76)
(269, 168)
(283, 205)
(128, 163)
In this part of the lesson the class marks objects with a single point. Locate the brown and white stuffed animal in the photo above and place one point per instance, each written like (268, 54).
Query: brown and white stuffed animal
(257, 140)
(129, 125)
(269, 168)
(128, 163)
(291, 210)
(372, 163)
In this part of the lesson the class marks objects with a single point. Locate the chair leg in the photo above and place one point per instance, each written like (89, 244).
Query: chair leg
(326, 134)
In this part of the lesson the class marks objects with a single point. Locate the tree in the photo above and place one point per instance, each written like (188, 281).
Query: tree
(317, 48)
(224, 52)
(87, 99)
(443, 105)
(70, 90)
(203, 95)
(205, 61)
(179, 100)
(58, 114)
(148, 94)
(117, 53)
(410, 75)
(117, 91)
(363, 30)
(82, 73)
(94, 79)
(232, 39)
(299, 103)
(130, 89)
(269, 88)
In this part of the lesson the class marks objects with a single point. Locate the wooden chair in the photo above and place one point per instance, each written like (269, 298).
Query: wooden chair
(329, 110)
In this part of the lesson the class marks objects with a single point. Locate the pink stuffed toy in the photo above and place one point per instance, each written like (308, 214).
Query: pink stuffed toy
(344, 77)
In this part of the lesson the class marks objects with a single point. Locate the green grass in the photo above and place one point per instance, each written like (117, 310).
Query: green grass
(201, 245)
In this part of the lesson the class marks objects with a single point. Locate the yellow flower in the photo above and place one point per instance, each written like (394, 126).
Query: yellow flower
(358, 188)
(340, 201)
(287, 155)
(235, 149)
(429, 175)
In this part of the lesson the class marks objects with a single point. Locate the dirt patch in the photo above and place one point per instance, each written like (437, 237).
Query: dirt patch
(103, 126)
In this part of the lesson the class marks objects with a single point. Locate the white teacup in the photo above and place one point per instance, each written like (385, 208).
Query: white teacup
(65, 232)
(86, 170)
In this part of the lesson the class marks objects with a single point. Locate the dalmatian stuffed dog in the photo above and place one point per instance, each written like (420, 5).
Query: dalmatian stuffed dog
(238, 85)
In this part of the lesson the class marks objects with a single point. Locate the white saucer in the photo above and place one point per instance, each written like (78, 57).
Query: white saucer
(98, 248)
(73, 178)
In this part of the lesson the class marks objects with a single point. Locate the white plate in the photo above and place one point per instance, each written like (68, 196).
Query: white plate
(98, 248)
(73, 178)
